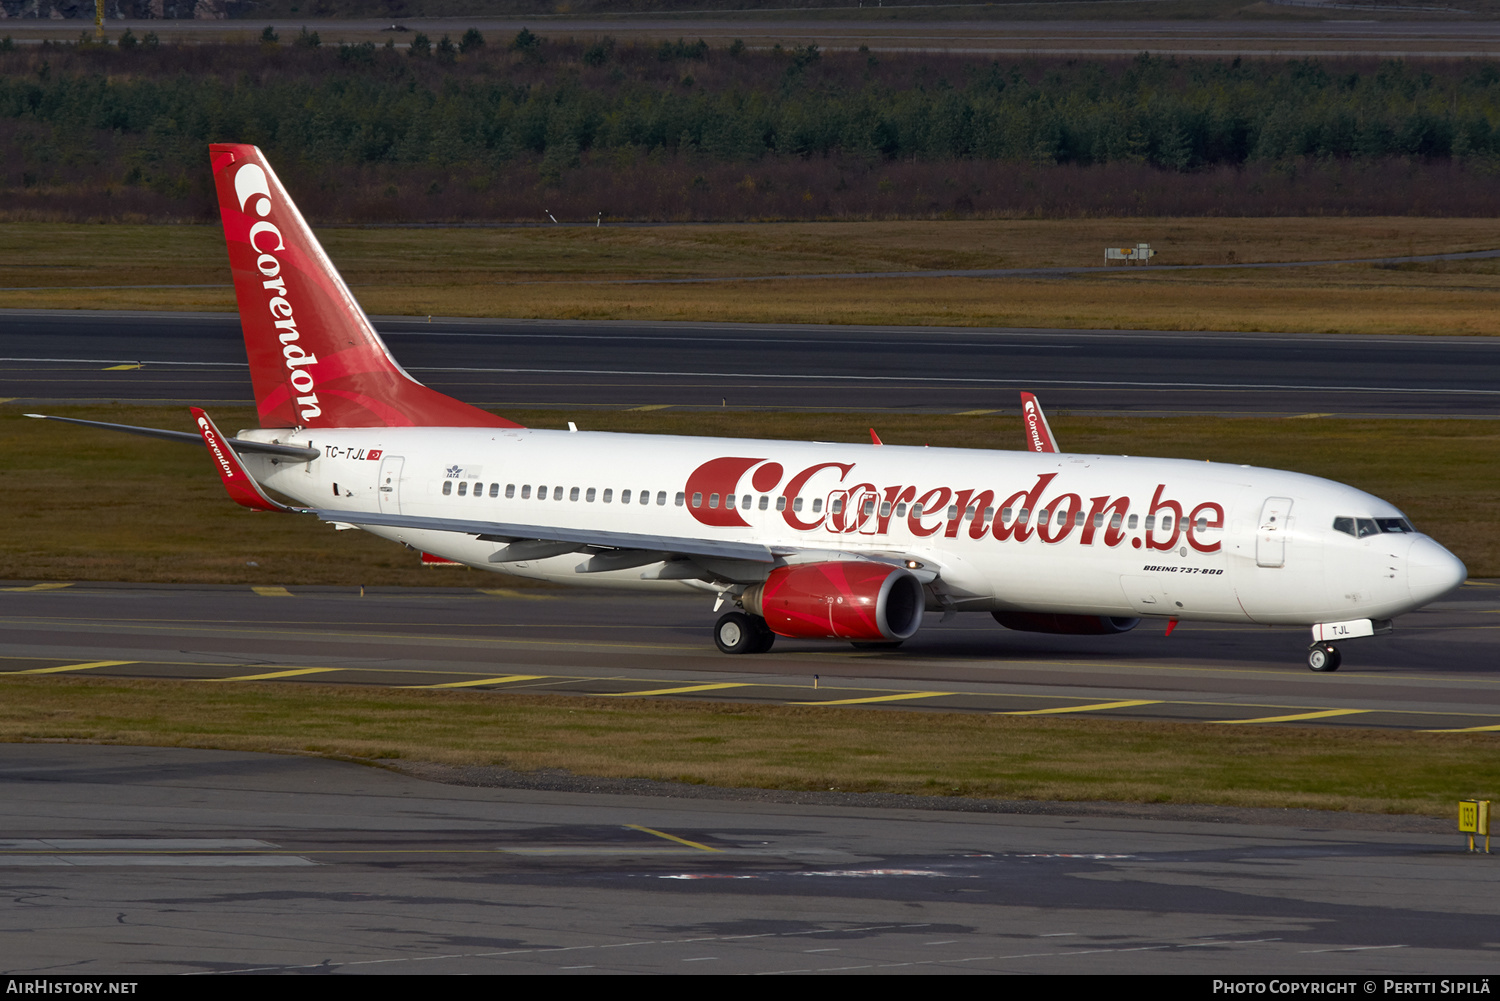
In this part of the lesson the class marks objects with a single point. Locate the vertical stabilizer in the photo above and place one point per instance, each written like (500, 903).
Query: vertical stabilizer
(315, 360)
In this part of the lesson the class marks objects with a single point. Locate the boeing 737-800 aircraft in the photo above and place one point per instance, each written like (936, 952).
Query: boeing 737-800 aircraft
(807, 540)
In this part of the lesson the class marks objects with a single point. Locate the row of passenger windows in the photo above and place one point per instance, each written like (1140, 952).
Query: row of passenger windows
(642, 497)
(836, 506)
(1362, 528)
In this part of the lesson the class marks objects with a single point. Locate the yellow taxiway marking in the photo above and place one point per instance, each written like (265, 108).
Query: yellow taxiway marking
(510, 592)
(1084, 709)
(673, 837)
(281, 674)
(1467, 729)
(876, 698)
(975, 413)
(122, 368)
(650, 406)
(272, 592)
(1320, 714)
(679, 691)
(482, 681)
(77, 667)
(40, 587)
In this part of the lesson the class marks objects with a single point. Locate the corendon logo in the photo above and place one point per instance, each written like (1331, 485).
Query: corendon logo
(1032, 418)
(843, 504)
(253, 190)
(225, 465)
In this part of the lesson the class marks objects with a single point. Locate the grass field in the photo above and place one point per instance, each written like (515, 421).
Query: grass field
(96, 505)
(782, 747)
(568, 272)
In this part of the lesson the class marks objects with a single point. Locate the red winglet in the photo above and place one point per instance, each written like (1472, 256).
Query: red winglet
(1038, 432)
(243, 489)
(1171, 625)
(875, 438)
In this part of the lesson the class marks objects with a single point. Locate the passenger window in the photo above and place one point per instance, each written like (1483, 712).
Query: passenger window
(697, 500)
(952, 511)
(463, 489)
(608, 495)
(1166, 522)
(1135, 518)
(1025, 516)
(989, 514)
(885, 508)
(916, 510)
(1150, 522)
(1098, 519)
(1078, 518)
(1005, 514)
(1203, 523)
(797, 504)
(510, 491)
(624, 496)
(573, 494)
(479, 490)
(1114, 520)
(817, 505)
(557, 493)
(836, 507)
(494, 490)
(447, 487)
(745, 502)
(588, 497)
(713, 500)
(764, 502)
(1043, 516)
(781, 503)
(541, 493)
(901, 510)
(728, 501)
(526, 492)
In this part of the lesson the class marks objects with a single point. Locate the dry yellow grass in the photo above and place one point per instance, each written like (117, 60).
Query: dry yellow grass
(572, 273)
(782, 747)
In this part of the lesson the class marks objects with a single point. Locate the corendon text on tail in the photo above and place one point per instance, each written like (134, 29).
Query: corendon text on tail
(805, 540)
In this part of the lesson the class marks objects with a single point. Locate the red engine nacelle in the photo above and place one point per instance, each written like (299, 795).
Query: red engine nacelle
(1071, 625)
(841, 599)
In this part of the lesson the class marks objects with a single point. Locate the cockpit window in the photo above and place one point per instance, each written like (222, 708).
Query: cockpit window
(1362, 528)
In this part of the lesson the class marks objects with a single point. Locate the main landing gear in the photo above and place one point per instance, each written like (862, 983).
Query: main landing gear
(1324, 657)
(736, 632)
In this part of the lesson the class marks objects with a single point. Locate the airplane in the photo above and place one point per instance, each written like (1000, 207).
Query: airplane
(806, 540)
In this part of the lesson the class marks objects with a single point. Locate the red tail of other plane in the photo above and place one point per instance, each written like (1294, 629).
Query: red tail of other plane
(315, 360)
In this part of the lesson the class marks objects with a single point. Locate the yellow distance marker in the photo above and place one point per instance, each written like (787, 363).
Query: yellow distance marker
(1474, 818)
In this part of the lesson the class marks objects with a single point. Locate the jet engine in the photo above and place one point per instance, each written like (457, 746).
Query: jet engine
(841, 599)
(1071, 625)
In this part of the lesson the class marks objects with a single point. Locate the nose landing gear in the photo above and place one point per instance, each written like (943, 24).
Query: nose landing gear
(1324, 657)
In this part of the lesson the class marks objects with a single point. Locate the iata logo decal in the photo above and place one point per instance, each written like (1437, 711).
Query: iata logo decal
(831, 497)
(253, 190)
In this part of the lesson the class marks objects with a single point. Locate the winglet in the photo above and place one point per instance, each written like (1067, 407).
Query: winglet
(875, 438)
(243, 489)
(1038, 432)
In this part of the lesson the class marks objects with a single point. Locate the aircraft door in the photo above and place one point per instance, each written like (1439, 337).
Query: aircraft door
(1270, 537)
(389, 492)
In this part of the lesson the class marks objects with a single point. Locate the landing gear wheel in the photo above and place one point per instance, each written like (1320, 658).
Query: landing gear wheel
(1324, 657)
(736, 632)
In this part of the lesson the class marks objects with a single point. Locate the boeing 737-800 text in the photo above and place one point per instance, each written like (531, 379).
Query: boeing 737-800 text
(808, 540)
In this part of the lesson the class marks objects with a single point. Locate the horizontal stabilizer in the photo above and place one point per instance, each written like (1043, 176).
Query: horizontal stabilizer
(243, 489)
(297, 452)
(1038, 432)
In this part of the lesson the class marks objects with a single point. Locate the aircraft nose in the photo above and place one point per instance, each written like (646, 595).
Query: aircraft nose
(1432, 571)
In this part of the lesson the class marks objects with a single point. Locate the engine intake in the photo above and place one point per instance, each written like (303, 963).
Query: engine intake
(840, 599)
(1070, 625)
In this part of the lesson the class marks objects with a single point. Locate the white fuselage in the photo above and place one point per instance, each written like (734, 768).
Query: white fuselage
(1122, 536)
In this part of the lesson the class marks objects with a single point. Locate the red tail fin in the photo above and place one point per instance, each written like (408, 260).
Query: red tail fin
(315, 361)
(1038, 431)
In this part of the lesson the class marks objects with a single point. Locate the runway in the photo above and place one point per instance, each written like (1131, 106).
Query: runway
(890, 32)
(1439, 670)
(49, 358)
(122, 861)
